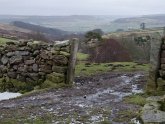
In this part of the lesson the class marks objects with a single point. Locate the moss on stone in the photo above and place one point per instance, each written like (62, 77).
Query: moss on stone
(59, 69)
(56, 77)
(65, 53)
(161, 84)
(48, 84)
(54, 80)
(21, 86)
(14, 85)
(151, 86)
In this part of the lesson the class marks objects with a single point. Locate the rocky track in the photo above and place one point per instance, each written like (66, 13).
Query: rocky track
(91, 100)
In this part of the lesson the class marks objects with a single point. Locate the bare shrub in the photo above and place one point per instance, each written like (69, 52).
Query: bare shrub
(109, 51)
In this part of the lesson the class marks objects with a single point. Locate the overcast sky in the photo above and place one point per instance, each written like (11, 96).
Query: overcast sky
(82, 7)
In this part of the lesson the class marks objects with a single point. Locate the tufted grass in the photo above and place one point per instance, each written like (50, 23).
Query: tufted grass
(82, 56)
(88, 69)
(137, 99)
(4, 40)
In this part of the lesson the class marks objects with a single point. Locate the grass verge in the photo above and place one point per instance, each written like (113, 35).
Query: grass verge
(88, 69)
(138, 99)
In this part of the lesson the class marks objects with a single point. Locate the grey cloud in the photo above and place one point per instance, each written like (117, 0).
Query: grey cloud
(82, 7)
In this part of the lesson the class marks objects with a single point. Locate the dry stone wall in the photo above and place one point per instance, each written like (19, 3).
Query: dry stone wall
(25, 65)
(156, 81)
(161, 78)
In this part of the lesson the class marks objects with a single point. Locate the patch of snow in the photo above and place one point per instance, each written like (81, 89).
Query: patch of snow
(96, 118)
(136, 90)
(126, 79)
(82, 105)
(8, 95)
(99, 94)
(135, 121)
(137, 75)
(120, 95)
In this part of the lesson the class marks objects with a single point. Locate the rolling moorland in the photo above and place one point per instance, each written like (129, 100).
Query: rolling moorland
(84, 23)
(118, 82)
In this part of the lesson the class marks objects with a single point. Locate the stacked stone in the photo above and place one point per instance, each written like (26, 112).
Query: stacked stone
(26, 65)
(161, 79)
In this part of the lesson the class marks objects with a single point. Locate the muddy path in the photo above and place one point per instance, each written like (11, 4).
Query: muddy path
(92, 100)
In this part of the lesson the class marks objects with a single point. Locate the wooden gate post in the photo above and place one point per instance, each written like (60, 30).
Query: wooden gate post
(72, 61)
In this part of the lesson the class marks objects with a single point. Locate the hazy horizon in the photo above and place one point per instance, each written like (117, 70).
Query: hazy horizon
(85, 7)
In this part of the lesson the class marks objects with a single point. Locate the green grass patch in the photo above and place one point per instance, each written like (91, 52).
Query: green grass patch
(138, 99)
(88, 69)
(82, 56)
(4, 40)
(105, 122)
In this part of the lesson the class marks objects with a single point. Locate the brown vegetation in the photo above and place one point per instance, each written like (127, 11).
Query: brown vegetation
(109, 51)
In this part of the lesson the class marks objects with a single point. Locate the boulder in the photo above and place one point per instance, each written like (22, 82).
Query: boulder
(31, 81)
(163, 54)
(22, 68)
(60, 60)
(10, 43)
(22, 43)
(24, 48)
(15, 59)
(1, 74)
(163, 47)
(152, 113)
(34, 76)
(66, 49)
(163, 66)
(29, 62)
(15, 67)
(36, 52)
(45, 68)
(59, 69)
(22, 53)
(21, 78)
(9, 54)
(4, 60)
(35, 67)
(56, 77)
(43, 55)
(12, 74)
(3, 69)
(10, 48)
(50, 62)
(162, 60)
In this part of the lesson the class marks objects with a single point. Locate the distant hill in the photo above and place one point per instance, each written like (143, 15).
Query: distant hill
(83, 23)
(73, 23)
(145, 19)
(38, 28)
(23, 30)
(48, 33)
(134, 22)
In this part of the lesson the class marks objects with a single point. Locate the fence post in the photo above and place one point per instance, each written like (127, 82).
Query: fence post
(72, 61)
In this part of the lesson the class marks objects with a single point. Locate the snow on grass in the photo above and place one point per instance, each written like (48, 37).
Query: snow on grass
(8, 95)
